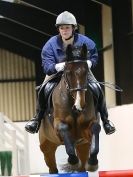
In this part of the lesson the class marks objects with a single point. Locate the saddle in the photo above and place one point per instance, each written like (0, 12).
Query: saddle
(48, 89)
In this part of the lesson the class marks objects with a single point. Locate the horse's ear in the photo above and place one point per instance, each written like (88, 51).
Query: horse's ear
(84, 51)
(69, 52)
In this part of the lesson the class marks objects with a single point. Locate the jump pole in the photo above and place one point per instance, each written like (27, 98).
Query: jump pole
(115, 173)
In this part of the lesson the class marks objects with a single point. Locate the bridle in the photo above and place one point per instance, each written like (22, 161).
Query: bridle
(79, 88)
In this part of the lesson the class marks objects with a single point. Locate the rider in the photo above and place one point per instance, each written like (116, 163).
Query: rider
(53, 61)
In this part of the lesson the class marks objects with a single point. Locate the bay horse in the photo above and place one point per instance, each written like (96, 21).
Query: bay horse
(75, 123)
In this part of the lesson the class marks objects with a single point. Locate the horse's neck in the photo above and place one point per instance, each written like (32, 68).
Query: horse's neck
(63, 85)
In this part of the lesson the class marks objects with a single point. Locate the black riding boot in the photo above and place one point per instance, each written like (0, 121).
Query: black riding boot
(98, 93)
(107, 125)
(34, 124)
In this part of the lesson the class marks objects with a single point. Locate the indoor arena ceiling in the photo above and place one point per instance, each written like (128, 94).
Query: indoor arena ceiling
(26, 25)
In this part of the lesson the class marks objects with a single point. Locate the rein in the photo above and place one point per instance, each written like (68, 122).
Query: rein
(108, 84)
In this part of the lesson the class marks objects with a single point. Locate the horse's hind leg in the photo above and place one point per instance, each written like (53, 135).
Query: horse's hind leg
(83, 153)
(48, 148)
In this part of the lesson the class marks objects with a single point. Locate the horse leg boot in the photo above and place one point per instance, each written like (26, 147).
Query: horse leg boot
(108, 126)
(34, 124)
(68, 142)
(94, 150)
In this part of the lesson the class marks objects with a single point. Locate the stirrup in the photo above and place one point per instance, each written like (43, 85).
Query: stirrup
(109, 133)
(32, 132)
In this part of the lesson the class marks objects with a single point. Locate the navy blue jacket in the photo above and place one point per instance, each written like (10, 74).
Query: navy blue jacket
(53, 52)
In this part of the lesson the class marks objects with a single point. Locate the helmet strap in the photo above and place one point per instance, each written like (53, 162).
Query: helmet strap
(69, 37)
(68, 41)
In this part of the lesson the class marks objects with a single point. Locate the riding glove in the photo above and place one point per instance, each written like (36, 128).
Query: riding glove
(89, 63)
(60, 66)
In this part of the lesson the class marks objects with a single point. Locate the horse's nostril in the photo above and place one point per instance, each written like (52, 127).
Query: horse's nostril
(73, 108)
(76, 109)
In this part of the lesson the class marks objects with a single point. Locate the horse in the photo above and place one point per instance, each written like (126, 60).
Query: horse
(75, 121)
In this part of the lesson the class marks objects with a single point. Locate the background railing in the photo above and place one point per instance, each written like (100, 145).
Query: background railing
(14, 140)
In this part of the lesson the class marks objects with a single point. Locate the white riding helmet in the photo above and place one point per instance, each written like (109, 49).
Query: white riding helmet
(66, 18)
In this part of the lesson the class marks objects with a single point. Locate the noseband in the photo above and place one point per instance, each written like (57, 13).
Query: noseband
(80, 88)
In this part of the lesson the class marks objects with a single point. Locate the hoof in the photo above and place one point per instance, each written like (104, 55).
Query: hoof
(53, 171)
(72, 159)
(92, 164)
(92, 168)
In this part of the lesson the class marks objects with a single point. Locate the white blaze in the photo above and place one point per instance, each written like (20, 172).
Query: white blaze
(77, 101)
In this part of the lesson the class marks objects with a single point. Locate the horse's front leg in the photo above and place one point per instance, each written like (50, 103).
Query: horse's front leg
(93, 161)
(68, 142)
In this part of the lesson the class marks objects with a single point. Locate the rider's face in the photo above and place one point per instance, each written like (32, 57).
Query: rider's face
(65, 31)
